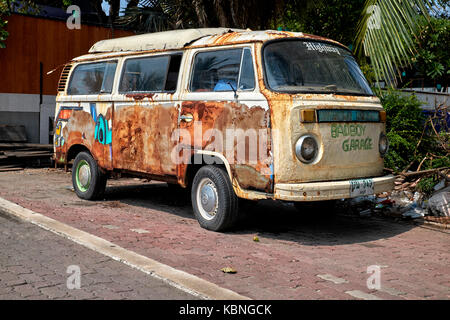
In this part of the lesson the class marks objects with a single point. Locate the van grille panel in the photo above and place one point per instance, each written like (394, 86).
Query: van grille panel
(343, 115)
(64, 76)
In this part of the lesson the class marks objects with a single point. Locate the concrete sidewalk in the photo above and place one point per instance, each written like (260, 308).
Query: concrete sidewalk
(36, 264)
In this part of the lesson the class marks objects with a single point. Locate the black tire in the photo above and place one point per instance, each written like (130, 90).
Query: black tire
(95, 187)
(224, 212)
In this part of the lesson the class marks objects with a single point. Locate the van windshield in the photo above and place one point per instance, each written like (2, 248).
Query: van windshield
(297, 66)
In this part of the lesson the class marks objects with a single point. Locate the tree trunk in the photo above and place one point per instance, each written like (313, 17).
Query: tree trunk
(220, 10)
(201, 13)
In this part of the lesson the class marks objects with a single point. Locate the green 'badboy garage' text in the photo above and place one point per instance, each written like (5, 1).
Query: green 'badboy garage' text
(352, 130)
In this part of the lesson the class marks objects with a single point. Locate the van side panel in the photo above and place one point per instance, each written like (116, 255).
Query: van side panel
(89, 125)
(142, 134)
(236, 124)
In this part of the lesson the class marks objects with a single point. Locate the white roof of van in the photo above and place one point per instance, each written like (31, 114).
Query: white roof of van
(174, 39)
(186, 38)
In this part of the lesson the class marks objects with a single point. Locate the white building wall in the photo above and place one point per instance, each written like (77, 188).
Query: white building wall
(25, 109)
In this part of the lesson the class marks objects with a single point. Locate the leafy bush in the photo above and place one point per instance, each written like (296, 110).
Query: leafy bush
(413, 141)
(426, 185)
(404, 126)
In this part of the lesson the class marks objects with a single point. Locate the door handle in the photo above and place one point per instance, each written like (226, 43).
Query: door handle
(188, 117)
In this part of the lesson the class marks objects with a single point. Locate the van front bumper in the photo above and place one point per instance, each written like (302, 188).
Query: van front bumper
(330, 190)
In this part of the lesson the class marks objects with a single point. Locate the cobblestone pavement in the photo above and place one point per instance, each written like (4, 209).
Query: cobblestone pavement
(299, 256)
(34, 264)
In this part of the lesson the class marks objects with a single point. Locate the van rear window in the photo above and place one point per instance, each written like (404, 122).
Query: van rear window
(92, 78)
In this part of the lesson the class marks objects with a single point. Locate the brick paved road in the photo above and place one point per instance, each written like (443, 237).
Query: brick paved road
(298, 256)
(34, 264)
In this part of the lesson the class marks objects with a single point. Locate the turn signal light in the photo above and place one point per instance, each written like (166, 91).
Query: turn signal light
(308, 115)
(65, 114)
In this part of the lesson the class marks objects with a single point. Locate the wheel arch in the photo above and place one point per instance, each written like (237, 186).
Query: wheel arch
(194, 165)
(76, 149)
(192, 169)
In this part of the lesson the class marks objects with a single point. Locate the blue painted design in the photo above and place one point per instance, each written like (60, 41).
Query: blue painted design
(102, 133)
(271, 175)
(93, 111)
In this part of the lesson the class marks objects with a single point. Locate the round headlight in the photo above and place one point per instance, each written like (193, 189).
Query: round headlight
(306, 148)
(383, 144)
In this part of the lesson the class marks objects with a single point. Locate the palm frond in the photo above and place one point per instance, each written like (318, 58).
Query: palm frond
(386, 34)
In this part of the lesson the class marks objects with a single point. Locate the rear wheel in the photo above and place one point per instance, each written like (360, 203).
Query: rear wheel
(88, 181)
(213, 199)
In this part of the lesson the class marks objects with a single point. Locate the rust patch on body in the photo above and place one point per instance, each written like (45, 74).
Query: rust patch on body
(250, 178)
(140, 96)
(225, 38)
(142, 139)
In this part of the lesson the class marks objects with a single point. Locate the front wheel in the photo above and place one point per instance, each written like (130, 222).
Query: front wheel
(88, 181)
(213, 199)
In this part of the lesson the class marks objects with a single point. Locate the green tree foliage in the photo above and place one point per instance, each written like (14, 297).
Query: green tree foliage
(4, 12)
(334, 19)
(432, 58)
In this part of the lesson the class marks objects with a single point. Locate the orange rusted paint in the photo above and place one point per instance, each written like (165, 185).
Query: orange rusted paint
(225, 38)
(141, 139)
(140, 96)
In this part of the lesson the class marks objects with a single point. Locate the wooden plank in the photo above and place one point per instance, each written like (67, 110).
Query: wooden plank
(28, 154)
(18, 146)
(10, 169)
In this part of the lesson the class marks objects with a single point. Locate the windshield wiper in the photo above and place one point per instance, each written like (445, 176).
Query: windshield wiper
(331, 87)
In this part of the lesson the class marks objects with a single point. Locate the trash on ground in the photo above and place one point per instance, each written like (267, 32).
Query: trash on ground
(439, 203)
(365, 213)
(228, 270)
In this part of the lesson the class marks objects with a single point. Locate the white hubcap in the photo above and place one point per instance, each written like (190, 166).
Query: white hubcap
(207, 198)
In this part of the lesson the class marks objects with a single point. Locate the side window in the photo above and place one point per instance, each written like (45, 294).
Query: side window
(150, 74)
(247, 75)
(222, 70)
(92, 78)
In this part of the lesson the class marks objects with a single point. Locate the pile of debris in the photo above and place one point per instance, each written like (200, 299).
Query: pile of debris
(16, 153)
(406, 201)
(408, 181)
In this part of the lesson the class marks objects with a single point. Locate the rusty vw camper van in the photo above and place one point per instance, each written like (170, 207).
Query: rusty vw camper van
(227, 114)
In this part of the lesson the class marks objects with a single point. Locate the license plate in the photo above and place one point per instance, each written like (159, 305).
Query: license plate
(361, 187)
